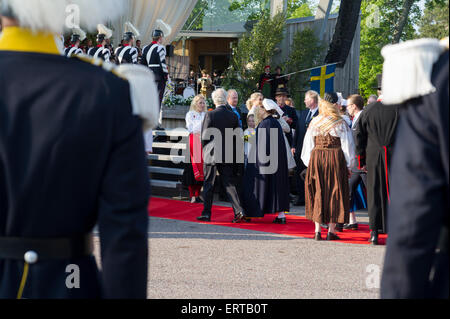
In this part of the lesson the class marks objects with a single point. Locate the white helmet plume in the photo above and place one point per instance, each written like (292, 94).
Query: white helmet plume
(102, 29)
(164, 27)
(79, 32)
(129, 27)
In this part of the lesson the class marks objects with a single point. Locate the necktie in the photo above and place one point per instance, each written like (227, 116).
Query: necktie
(308, 118)
(239, 117)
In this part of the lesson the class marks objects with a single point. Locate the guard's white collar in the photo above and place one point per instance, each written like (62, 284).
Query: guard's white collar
(408, 68)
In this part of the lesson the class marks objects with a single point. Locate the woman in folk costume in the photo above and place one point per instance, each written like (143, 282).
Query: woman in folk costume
(257, 100)
(329, 153)
(267, 175)
(193, 175)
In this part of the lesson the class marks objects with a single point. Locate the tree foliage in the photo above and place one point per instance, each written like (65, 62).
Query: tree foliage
(434, 22)
(254, 51)
(306, 52)
(378, 22)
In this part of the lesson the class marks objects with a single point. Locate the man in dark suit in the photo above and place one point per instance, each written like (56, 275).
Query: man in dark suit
(306, 116)
(355, 108)
(290, 115)
(416, 265)
(71, 157)
(220, 154)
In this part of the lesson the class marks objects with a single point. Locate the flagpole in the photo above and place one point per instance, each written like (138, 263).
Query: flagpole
(283, 76)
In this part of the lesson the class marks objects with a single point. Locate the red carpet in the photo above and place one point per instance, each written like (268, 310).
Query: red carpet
(222, 216)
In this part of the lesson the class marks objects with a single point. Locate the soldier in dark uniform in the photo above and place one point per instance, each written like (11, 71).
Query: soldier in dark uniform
(71, 157)
(74, 49)
(128, 53)
(101, 51)
(374, 140)
(417, 259)
(154, 57)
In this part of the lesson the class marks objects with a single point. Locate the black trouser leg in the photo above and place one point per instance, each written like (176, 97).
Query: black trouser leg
(208, 188)
(161, 89)
(354, 183)
(300, 182)
(226, 174)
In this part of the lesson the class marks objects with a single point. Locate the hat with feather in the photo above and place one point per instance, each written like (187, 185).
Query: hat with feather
(162, 29)
(77, 35)
(103, 33)
(131, 32)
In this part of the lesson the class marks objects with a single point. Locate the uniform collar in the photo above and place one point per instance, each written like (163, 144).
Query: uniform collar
(24, 40)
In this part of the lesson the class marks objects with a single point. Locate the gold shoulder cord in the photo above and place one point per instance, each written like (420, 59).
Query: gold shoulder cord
(24, 280)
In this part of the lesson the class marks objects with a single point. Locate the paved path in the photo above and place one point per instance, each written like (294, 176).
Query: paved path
(197, 261)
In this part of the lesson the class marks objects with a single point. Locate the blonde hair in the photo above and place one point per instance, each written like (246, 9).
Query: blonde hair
(330, 116)
(290, 100)
(195, 102)
(253, 98)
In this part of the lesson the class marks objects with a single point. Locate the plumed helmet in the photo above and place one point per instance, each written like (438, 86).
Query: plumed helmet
(162, 29)
(157, 34)
(77, 35)
(131, 32)
(74, 38)
(103, 33)
(128, 36)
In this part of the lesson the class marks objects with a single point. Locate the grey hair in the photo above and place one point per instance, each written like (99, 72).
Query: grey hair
(219, 97)
(314, 95)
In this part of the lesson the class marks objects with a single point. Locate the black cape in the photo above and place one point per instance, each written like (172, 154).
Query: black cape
(267, 193)
(375, 135)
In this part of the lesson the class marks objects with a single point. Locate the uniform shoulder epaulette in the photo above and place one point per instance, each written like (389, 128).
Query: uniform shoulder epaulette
(109, 67)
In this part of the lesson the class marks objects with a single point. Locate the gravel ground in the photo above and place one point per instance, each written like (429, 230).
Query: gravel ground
(196, 261)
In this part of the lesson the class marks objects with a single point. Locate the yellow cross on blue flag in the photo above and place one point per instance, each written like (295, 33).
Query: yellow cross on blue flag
(322, 79)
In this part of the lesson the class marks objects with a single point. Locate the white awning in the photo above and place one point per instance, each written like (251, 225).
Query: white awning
(144, 13)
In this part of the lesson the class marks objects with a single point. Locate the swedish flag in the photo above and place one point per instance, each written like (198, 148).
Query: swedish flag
(322, 79)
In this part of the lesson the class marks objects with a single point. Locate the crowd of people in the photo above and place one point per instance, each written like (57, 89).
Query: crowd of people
(323, 149)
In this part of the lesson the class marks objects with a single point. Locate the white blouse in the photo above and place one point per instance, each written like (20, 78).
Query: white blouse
(341, 130)
(194, 121)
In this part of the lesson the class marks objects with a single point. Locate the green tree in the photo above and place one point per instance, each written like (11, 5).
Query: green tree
(434, 22)
(307, 51)
(254, 51)
(195, 20)
(378, 24)
(302, 11)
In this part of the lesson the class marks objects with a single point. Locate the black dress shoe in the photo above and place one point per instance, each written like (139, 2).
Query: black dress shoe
(238, 218)
(373, 238)
(339, 228)
(351, 226)
(281, 221)
(332, 236)
(204, 218)
(318, 237)
(198, 201)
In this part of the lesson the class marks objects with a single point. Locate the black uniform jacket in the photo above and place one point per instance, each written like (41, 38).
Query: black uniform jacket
(417, 259)
(71, 157)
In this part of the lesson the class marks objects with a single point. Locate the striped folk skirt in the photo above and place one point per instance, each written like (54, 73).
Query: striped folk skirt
(327, 198)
